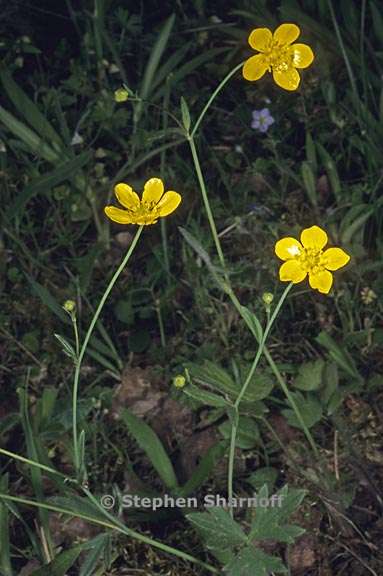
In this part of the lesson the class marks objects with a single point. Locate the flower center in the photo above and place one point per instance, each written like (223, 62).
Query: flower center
(279, 57)
(311, 260)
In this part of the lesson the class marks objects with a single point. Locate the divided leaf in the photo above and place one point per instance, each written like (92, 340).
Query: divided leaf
(269, 522)
(218, 529)
(250, 559)
(310, 375)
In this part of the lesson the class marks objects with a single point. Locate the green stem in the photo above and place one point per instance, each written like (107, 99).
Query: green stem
(86, 341)
(164, 237)
(213, 96)
(234, 299)
(217, 242)
(235, 420)
(75, 329)
(279, 378)
(206, 201)
(36, 464)
(113, 524)
(145, 539)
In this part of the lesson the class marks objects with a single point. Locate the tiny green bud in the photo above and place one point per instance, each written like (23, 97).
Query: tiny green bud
(69, 306)
(267, 297)
(179, 381)
(121, 95)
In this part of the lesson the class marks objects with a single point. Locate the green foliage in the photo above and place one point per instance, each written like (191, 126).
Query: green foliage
(64, 143)
(226, 539)
(152, 446)
(214, 376)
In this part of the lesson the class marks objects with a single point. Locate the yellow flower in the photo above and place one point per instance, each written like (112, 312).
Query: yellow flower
(278, 55)
(307, 257)
(154, 204)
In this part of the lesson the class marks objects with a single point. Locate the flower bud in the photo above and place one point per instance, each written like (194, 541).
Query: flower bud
(267, 297)
(121, 95)
(69, 306)
(179, 381)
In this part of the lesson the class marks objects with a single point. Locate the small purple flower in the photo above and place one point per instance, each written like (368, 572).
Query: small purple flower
(262, 120)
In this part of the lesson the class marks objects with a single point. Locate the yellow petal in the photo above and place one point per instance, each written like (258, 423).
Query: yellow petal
(118, 215)
(255, 67)
(168, 203)
(291, 271)
(314, 237)
(153, 191)
(334, 258)
(288, 248)
(286, 34)
(126, 196)
(321, 281)
(288, 79)
(260, 39)
(302, 55)
(145, 219)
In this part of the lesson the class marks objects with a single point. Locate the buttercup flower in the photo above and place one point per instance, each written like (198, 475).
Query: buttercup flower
(262, 120)
(307, 257)
(153, 205)
(278, 55)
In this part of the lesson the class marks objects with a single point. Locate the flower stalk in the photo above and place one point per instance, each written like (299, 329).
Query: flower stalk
(97, 313)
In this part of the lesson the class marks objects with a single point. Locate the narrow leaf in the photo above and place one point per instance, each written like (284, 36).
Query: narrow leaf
(148, 440)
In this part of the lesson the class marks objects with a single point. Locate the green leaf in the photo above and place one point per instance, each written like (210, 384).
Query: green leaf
(8, 422)
(331, 382)
(66, 347)
(309, 183)
(65, 171)
(61, 564)
(310, 375)
(311, 153)
(377, 21)
(78, 505)
(218, 528)
(165, 71)
(247, 433)
(185, 114)
(349, 233)
(152, 65)
(186, 69)
(251, 561)
(252, 322)
(34, 143)
(205, 467)
(266, 475)
(213, 375)
(5, 557)
(310, 408)
(45, 408)
(216, 377)
(204, 396)
(28, 109)
(148, 440)
(98, 547)
(340, 355)
(269, 522)
(47, 299)
(260, 387)
(214, 270)
(332, 172)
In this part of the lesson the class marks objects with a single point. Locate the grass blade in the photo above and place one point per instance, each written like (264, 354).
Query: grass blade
(27, 108)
